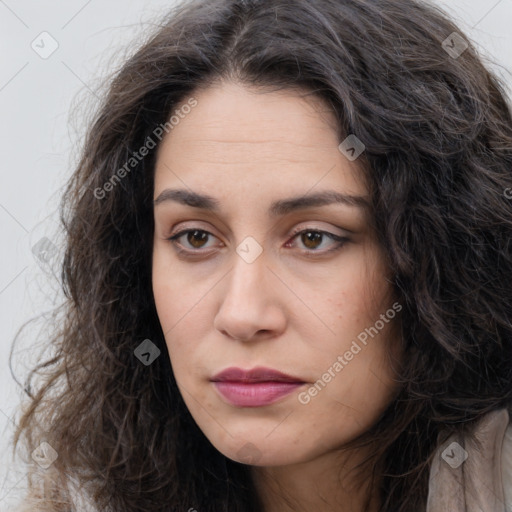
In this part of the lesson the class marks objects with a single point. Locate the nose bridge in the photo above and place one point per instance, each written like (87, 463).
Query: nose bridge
(248, 269)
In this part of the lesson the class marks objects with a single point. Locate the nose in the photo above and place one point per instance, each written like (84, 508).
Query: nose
(251, 307)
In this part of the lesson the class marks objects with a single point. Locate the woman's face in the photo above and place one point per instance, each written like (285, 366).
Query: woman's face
(259, 278)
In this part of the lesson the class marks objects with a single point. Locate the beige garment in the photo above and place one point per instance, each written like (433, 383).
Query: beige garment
(474, 475)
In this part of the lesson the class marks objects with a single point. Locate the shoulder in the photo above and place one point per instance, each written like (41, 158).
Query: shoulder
(506, 467)
(474, 471)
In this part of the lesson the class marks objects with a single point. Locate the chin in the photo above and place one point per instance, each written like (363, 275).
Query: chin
(261, 452)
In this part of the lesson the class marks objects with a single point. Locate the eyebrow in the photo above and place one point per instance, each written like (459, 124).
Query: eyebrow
(277, 208)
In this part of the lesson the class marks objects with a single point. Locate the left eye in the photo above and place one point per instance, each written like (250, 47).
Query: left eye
(311, 238)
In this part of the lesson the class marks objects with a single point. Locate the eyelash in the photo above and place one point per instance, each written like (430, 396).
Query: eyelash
(339, 239)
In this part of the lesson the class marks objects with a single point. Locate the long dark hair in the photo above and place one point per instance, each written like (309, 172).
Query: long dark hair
(438, 162)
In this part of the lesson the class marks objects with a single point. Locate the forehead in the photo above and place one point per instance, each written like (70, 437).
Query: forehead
(229, 106)
(251, 139)
(231, 117)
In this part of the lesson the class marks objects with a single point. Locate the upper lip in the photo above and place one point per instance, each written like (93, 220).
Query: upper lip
(259, 374)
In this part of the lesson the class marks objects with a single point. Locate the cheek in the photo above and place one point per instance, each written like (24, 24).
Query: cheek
(362, 338)
(174, 306)
(355, 383)
(174, 293)
(355, 299)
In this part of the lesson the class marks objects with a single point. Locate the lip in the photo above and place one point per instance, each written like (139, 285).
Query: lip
(258, 374)
(254, 388)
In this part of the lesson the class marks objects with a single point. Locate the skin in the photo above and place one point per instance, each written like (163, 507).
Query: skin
(286, 310)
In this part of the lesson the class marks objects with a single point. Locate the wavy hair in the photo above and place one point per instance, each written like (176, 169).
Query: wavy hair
(438, 163)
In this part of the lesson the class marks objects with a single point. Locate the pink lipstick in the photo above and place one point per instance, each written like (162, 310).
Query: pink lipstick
(254, 388)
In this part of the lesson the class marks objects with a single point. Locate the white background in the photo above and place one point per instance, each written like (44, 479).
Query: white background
(38, 146)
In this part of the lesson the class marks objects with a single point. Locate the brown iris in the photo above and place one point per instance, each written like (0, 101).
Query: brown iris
(195, 235)
(311, 237)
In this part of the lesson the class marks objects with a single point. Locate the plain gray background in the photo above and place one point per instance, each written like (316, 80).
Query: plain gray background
(38, 145)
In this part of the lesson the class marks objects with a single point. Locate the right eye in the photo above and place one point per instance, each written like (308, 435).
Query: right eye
(194, 237)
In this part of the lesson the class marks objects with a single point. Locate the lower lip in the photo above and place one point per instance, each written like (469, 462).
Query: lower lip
(255, 394)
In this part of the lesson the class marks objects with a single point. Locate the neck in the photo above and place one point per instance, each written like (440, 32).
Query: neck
(327, 483)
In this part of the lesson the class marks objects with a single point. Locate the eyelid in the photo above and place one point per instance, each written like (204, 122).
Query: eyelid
(193, 227)
(345, 232)
(303, 228)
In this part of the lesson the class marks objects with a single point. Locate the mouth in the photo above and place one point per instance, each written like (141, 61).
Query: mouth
(254, 388)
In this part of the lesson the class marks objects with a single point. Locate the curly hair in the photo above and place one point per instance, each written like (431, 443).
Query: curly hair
(438, 134)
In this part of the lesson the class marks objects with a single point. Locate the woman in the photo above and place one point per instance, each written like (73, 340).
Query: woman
(287, 271)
